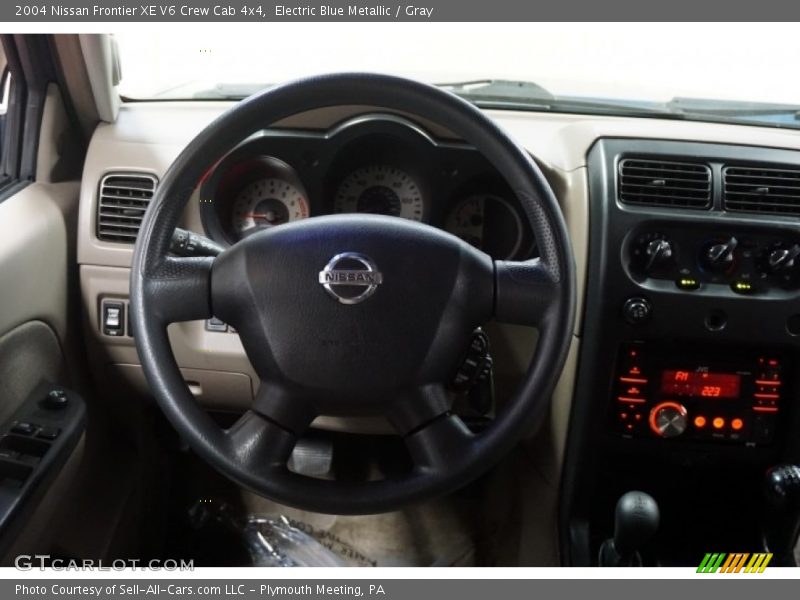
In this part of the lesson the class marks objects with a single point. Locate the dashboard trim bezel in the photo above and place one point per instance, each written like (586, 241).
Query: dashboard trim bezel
(320, 170)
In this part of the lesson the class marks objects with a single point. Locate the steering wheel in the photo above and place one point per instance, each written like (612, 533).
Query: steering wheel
(358, 315)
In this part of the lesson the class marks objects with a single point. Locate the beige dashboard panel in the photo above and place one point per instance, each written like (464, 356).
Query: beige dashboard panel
(213, 389)
(213, 354)
(147, 137)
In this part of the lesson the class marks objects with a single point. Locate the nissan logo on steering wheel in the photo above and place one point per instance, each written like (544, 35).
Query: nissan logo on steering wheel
(350, 277)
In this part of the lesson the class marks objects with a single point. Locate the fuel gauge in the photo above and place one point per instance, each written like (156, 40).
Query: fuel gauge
(490, 223)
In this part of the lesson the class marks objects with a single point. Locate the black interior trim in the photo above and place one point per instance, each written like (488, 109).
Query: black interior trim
(12, 139)
(37, 68)
(758, 321)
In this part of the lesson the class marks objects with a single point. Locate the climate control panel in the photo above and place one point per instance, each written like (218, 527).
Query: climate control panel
(663, 393)
(743, 261)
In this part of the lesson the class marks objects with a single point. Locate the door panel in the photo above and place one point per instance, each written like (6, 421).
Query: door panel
(35, 282)
(33, 256)
(29, 354)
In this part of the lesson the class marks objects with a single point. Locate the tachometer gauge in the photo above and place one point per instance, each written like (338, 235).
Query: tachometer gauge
(381, 190)
(266, 203)
(490, 223)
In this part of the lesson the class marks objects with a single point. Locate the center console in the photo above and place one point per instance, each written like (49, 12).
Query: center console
(690, 344)
(661, 391)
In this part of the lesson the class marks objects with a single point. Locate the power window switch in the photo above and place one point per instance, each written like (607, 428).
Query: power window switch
(113, 318)
(7, 454)
(29, 459)
(23, 428)
(48, 433)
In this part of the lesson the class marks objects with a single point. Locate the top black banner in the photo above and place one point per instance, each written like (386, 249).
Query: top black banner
(237, 11)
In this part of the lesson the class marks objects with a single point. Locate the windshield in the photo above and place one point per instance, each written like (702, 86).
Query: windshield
(730, 72)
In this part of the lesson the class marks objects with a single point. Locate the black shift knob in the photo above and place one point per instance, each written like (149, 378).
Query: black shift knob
(782, 521)
(635, 522)
(636, 519)
(783, 486)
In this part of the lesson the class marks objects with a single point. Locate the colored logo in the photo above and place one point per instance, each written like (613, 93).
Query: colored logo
(714, 562)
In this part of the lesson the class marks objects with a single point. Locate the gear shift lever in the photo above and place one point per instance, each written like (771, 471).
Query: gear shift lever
(635, 522)
(782, 521)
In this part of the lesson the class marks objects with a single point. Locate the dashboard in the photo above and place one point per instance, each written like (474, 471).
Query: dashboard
(376, 164)
(695, 300)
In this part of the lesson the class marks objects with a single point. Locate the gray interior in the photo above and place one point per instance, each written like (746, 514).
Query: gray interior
(128, 478)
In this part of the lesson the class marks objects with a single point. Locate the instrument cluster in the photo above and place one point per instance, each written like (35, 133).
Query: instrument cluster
(380, 164)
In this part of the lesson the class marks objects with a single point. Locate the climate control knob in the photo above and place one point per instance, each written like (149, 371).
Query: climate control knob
(658, 253)
(668, 419)
(782, 260)
(720, 256)
(651, 252)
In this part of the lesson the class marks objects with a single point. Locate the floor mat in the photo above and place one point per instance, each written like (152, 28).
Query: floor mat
(439, 533)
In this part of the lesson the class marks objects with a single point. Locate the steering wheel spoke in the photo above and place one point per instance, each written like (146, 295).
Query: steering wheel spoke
(284, 407)
(260, 445)
(433, 435)
(441, 444)
(414, 409)
(526, 292)
(179, 289)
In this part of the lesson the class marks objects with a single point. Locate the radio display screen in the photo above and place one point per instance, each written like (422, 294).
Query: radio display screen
(700, 384)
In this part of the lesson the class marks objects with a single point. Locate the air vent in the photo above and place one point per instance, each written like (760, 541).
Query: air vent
(760, 189)
(124, 198)
(664, 183)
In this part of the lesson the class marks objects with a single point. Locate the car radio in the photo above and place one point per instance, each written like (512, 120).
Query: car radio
(667, 394)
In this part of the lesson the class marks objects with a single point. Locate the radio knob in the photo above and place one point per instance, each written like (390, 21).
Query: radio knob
(668, 419)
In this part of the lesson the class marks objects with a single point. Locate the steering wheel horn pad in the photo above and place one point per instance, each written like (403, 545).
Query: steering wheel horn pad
(354, 315)
(434, 290)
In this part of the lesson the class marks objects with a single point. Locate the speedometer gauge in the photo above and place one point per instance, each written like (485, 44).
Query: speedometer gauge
(381, 190)
(488, 222)
(268, 202)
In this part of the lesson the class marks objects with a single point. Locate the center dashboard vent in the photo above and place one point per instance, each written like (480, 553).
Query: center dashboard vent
(123, 200)
(664, 183)
(761, 189)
